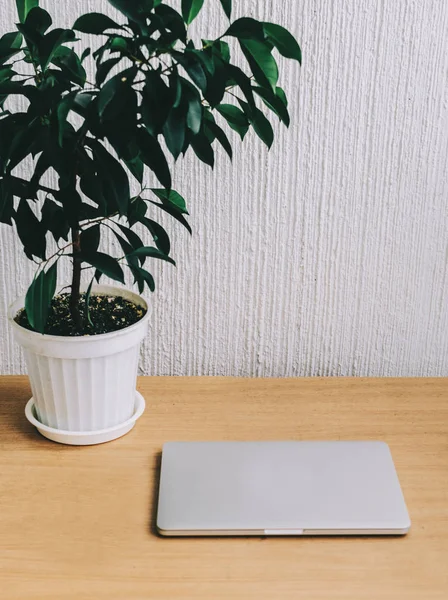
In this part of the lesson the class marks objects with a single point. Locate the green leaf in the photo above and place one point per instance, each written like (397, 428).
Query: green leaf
(137, 210)
(87, 303)
(51, 43)
(142, 276)
(132, 237)
(246, 28)
(193, 67)
(90, 239)
(159, 235)
(136, 10)
(105, 264)
(24, 7)
(174, 213)
(136, 167)
(156, 102)
(190, 9)
(104, 68)
(285, 43)
(262, 127)
(54, 220)
(275, 102)
(85, 53)
(243, 81)
(116, 96)
(152, 155)
(30, 231)
(235, 117)
(117, 43)
(62, 111)
(261, 62)
(203, 148)
(219, 134)
(126, 247)
(281, 94)
(172, 198)
(38, 298)
(114, 179)
(95, 23)
(10, 44)
(149, 251)
(174, 131)
(67, 60)
(6, 202)
(171, 25)
(38, 20)
(227, 6)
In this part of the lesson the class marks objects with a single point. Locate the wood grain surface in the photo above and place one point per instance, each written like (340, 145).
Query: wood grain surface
(78, 523)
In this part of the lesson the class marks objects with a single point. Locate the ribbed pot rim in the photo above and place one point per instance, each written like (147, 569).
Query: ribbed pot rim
(105, 290)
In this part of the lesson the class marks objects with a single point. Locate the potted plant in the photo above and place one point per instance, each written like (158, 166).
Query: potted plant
(153, 92)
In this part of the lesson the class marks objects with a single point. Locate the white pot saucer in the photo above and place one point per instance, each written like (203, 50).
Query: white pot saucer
(85, 438)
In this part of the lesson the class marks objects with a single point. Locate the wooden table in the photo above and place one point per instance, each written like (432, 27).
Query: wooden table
(78, 523)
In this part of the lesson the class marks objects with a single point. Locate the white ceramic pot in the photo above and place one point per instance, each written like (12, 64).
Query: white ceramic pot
(84, 387)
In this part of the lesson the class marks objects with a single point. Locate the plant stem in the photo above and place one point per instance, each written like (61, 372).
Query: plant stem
(76, 278)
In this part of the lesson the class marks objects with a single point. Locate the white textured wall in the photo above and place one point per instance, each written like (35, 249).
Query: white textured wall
(327, 255)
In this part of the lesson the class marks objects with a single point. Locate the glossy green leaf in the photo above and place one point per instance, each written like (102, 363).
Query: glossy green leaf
(117, 43)
(30, 231)
(203, 148)
(142, 276)
(174, 131)
(24, 7)
(149, 251)
(90, 239)
(137, 210)
(54, 220)
(68, 61)
(275, 102)
(51, 43)
(85, 53)
(235, 117)
(220, 135)
(136, 167)
(193, 66)
(190, 9)
(156, 102)
(152, 155)
(136, 10)
(6, 202)
(95, 23)
(114, 179)
(243, 82)
(285, 43)
(261, 62)
(227, 6)
(38, 20)
(159, 235)
(38, 298)
(262, 127)
(87, 303)
(172, 198)
(133, 239)
(10, 44)
(246, 28)
(62, 112)
(174, 213)
(105, 264)
(104, 69)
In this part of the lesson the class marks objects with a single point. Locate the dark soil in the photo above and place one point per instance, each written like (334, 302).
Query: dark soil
(107, 313)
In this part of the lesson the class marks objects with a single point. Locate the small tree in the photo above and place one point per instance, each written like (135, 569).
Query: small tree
(151, 85)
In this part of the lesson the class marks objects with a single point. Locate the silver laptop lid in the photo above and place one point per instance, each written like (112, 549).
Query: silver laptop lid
(262, 488)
